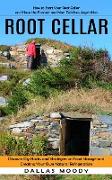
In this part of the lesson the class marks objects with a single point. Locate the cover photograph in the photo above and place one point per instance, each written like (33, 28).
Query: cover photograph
(55, 90)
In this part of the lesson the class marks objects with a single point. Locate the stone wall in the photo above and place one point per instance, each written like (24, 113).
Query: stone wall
(49, 55)
(49, 126)
(40, 125)
(101, 135)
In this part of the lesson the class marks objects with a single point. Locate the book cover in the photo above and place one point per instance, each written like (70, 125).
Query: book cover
(55, 89)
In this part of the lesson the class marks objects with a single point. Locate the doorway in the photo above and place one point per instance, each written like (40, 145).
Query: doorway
(75, 136)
